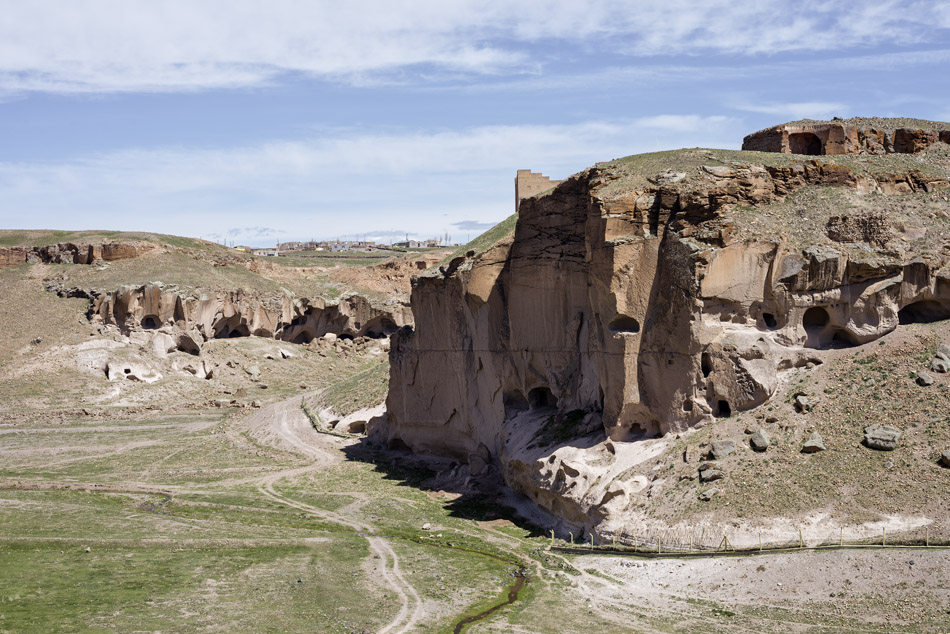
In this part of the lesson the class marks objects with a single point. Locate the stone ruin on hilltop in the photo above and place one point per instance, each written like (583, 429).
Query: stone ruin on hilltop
(853, 136)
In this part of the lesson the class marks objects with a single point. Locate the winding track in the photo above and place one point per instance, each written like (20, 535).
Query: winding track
(285, 424)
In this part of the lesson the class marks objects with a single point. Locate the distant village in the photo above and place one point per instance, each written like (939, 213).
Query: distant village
(527, 184)
(341, 246)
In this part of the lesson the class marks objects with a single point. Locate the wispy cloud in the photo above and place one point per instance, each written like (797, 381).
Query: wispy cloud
(420, 182)
(796, 109)
(186, 45)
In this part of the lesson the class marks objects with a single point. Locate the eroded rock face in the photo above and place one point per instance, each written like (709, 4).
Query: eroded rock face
(195, 319)
(877, 136)
(638, 306)
(69, 253)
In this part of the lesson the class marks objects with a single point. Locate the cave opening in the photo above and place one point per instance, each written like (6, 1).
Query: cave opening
(770, 322)
(624, 324)
(723, 410)
(923, 312)
(228, 332)
(346, 336)
(815, 320)
(805, 143)
(381, 329)
(150, 322)
(541, 398)
(705, 362)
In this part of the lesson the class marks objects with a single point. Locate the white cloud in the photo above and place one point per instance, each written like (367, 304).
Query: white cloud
(796, 109)
(181, 45)
(331, 185)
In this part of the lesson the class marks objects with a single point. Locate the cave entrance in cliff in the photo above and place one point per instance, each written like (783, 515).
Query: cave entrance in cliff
(541, 398)
(805, 143)
(923, 312)
(232, 332)
(624, 324)
(723, 409)
(150, 322)
(379, 329)
(815, 322)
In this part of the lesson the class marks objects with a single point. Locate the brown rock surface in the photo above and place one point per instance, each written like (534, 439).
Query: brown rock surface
(657, 307)
(224, 314)
(849, 136)
(69, 253)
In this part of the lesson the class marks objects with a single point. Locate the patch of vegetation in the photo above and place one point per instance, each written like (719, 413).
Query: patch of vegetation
(485, 241)
(561, 427)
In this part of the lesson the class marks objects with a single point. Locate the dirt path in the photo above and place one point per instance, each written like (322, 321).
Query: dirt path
(284, 425)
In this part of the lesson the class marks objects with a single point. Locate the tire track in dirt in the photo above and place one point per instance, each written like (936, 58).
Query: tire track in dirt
(286, 423)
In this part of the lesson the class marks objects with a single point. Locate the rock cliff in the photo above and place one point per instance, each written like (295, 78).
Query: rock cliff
(192, 318)
(69, 253)
(651, 295)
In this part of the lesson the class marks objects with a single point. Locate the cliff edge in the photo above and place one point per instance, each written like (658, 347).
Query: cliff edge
(650, 297)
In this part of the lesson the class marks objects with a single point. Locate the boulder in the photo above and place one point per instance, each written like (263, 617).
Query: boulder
(710, 471)
(201, 369)
(162, 344)
(116, 370)
(708, 494)
(722, 448)
(254, 372)
(940, 365)
(760, 441)
(881, 437)
(924, 379)
(945, 458)
(814, 444)
(803, 403)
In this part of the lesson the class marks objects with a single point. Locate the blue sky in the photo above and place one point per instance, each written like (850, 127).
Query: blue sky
(256, 122)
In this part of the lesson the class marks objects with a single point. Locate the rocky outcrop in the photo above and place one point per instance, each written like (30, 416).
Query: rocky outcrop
(194, 318)
(852, 136)
(12, 256)
(69, 253)
(645, 306)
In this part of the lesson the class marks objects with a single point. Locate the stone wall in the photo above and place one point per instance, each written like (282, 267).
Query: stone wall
(528, 183)
(842, 137)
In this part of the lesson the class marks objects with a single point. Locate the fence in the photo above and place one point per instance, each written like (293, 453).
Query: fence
(684, 543)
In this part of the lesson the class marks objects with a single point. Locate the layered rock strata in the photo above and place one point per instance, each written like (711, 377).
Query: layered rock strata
(194, 318)
(69, 253)
(643, 306)
(853, 136)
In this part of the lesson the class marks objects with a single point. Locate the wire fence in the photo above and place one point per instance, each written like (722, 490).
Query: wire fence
(706, 541)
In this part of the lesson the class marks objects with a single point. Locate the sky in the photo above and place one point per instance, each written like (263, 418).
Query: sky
(257, 122)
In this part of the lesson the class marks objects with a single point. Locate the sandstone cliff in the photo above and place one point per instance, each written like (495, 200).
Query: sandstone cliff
(652, 295)
(69, 253)
(196, 317)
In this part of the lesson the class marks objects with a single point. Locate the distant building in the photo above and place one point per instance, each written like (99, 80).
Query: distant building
(528, 183)
(409, 244)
